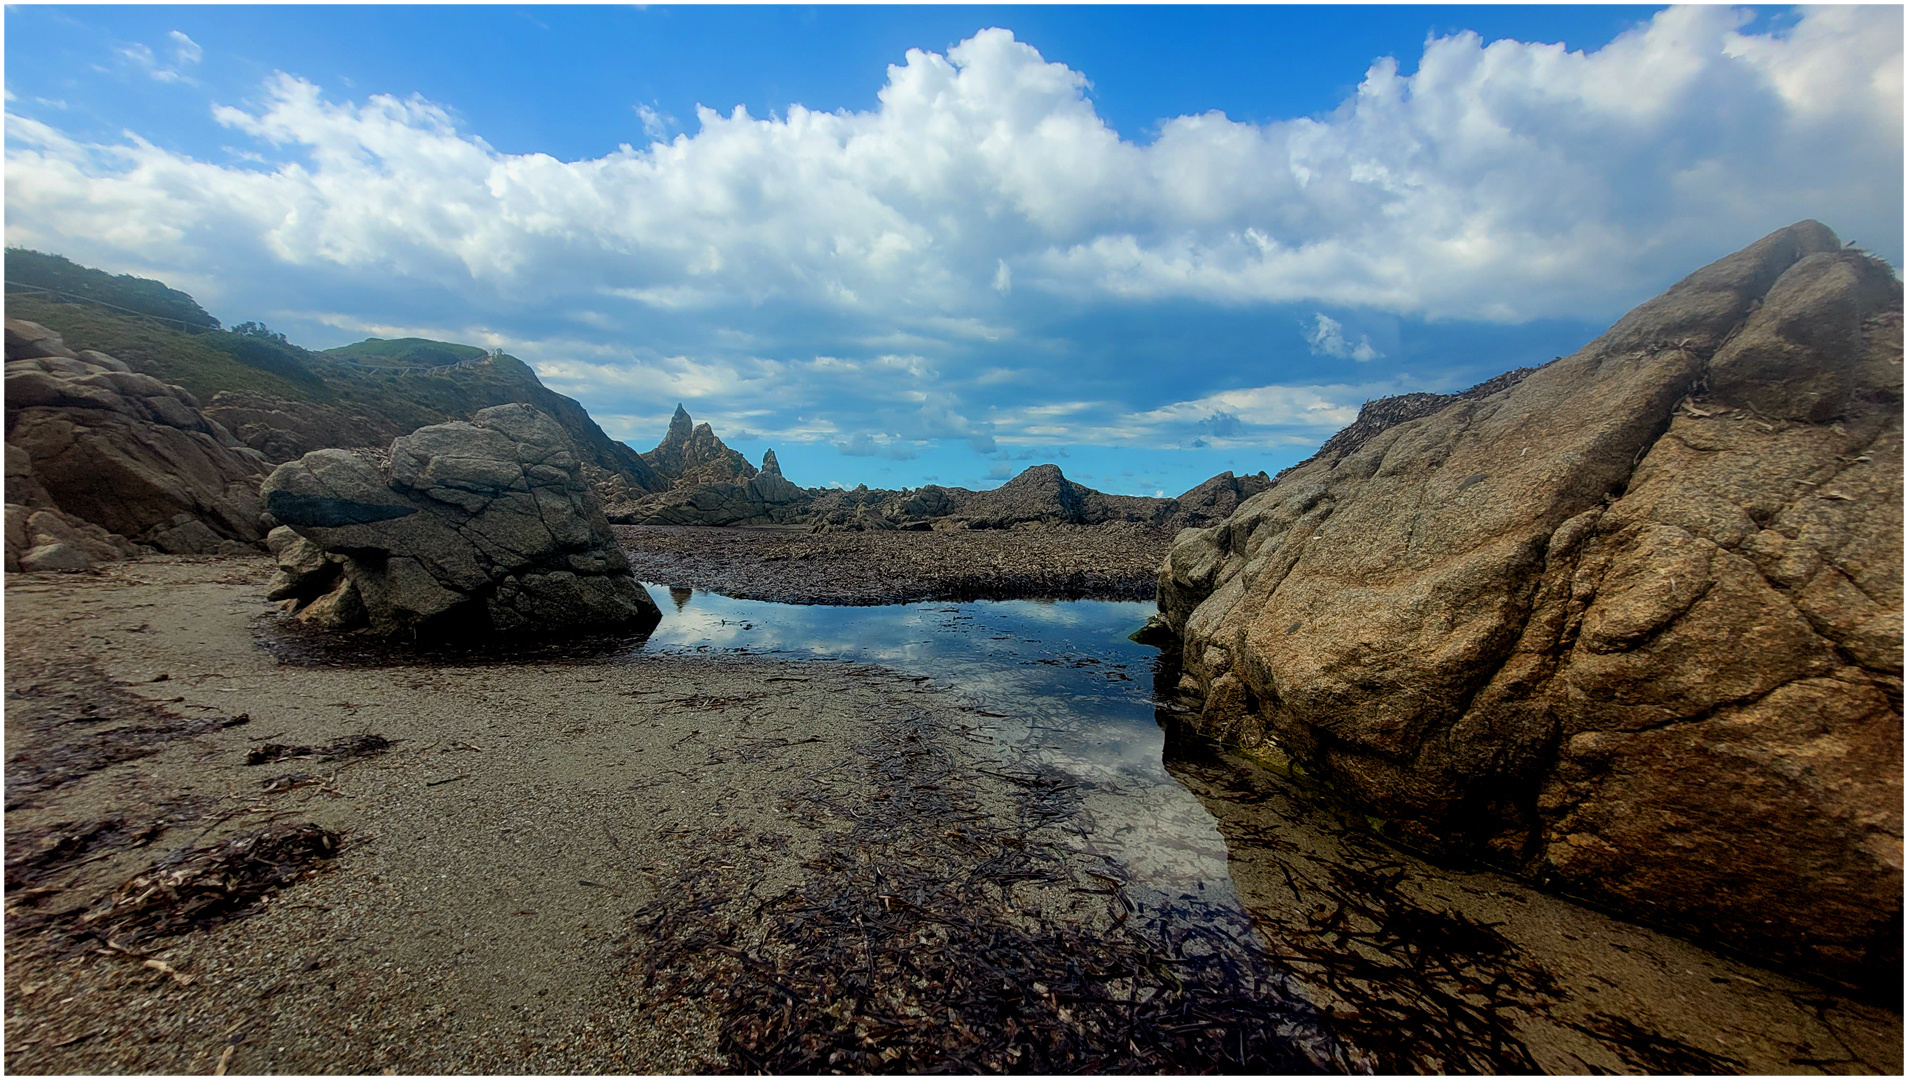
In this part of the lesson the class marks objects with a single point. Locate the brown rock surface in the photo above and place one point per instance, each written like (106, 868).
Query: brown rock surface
(282, 430)
(122, 450)
(1631, 622)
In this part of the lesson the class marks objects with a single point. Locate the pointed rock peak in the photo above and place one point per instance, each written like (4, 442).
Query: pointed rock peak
(680, 421)
(770, 466)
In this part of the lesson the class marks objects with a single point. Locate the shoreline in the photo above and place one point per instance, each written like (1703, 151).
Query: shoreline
(496, 855)
(579, 856)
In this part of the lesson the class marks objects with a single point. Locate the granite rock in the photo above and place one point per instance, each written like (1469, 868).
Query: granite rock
(1629, 622)
(472, 527)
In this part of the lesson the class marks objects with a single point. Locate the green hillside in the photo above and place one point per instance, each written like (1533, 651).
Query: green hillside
(406, 382)
(405, 352)
(204, 363)
(30, 271)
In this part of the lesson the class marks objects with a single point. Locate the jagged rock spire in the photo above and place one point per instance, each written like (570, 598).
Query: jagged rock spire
(770, 466)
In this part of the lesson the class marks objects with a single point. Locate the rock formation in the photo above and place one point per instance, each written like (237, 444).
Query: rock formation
(91, 441)
(1630, 623)
(1040, 496)
(764, 498)
(282, 430)
(690, 454)
(477, 527)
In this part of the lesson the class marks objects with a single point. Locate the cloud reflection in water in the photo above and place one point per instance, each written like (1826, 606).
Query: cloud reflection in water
(1072, 694)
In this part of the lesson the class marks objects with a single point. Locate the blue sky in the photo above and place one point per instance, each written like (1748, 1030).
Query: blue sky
(938, 244)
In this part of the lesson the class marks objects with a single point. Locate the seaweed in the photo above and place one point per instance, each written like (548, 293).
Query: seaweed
(202, 887)
(933, 937)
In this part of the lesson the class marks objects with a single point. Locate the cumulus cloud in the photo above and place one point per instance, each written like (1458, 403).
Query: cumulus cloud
(1222, 424)
(1501, 180)
(1326, 335)
(887, 270)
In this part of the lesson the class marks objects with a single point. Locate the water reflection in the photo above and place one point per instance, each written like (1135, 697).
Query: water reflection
(1052, 684)
(1421, 966)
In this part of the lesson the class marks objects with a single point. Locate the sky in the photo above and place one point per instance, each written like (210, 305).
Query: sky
(910, 245)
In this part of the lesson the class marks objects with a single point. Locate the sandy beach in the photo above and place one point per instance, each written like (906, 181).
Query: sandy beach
(497, 830)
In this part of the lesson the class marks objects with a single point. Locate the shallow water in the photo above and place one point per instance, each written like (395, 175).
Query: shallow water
(1053, 685)
(1428, 968)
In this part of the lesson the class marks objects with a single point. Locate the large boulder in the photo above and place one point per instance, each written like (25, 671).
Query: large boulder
(122, 450)
(485, 526)
(1629, 623)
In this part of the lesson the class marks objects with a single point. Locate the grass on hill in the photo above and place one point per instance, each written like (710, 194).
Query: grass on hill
(33, 269)
(405, 352)
(203, 363)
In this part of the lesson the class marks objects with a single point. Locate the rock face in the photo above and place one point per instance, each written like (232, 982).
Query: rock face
(1630, 623)
(477, 527)
(122, 451)
(690, 454)
(282, 430)
(766, 497)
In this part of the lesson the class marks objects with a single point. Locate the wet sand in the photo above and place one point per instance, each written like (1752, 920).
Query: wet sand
(508, 863)
(579, 857)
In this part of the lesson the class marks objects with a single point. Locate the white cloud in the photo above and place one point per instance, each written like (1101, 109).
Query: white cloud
(1326, 335)
(185, 50)
(655, 125)
(1501, 180)
(932, 269)
(185, 53)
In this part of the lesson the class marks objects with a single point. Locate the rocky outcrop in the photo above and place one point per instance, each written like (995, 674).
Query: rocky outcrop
(123, 451)
(45, 538)
(765, 498)
(471, 528)
(1215, 500)
(691, 454)
(1630, 623)
(282, 430)
(1040, 496)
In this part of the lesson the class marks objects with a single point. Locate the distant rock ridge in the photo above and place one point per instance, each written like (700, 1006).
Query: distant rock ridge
(1040, 496)
(713, 485)
(1629, 623)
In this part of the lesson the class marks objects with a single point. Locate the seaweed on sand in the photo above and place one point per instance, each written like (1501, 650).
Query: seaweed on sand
(201, 887)
(933, 937)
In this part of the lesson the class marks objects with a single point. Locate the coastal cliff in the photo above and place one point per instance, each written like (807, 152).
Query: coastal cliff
(1629, 624)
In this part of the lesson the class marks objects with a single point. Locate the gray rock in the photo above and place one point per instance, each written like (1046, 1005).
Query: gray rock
(690, 454)
(117, 448)
(55, 557)
(189, 538)
(473, 527)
